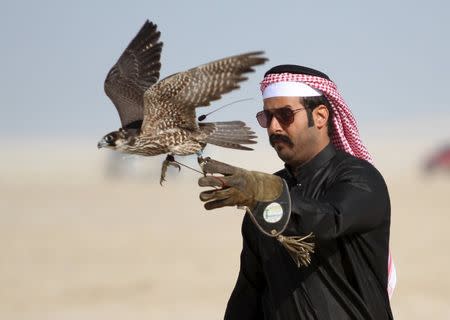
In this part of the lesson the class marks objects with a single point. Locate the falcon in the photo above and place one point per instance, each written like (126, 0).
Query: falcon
(159, 117)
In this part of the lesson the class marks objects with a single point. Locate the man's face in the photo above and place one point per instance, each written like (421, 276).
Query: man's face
(301, 140)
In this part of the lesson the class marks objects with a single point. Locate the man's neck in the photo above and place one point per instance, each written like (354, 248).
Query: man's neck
(311, 155)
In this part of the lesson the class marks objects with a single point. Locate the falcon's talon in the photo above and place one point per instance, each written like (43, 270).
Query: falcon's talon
(176, 165)
(202, 161)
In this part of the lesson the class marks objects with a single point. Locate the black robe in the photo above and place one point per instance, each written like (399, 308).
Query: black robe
(344, 201)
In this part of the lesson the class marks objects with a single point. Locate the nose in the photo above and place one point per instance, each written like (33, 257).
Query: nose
(274, 126)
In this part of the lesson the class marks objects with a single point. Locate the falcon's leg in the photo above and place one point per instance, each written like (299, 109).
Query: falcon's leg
(201, 161)
(170, 161)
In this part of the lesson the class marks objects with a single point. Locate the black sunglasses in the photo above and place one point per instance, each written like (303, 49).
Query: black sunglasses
(285, 116)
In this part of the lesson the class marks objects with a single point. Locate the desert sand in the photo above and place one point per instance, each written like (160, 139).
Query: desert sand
(78, 244)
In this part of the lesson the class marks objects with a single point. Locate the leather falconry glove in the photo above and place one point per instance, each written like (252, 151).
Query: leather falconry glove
(265, 196)
(238, 187)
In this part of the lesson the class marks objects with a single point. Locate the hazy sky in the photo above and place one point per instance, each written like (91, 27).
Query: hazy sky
(390, 59)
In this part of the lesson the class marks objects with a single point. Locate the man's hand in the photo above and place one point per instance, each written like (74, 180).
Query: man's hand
(237, 187)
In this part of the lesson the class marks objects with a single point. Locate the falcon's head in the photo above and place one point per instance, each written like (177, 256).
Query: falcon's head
(114, 140)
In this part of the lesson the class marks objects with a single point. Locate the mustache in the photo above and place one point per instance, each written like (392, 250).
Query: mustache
(280, 138)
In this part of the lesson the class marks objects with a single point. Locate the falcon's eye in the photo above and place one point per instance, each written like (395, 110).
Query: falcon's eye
(109, 138)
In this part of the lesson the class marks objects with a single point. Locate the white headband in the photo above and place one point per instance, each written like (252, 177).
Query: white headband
(290, 89)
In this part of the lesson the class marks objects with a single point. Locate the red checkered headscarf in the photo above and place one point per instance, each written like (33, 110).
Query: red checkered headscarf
(345, 132)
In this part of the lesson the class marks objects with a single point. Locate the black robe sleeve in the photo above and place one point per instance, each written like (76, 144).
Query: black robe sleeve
(356, 202)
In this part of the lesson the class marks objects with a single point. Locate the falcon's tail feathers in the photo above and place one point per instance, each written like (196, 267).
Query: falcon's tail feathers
(232, 134)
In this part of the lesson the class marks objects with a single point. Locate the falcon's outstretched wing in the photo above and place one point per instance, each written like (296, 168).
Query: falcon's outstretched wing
(136, 70)
(172, 102)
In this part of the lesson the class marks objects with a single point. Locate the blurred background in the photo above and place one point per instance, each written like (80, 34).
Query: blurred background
(91, 234)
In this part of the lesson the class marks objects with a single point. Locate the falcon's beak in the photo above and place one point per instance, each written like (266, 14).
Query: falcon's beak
(102, 143)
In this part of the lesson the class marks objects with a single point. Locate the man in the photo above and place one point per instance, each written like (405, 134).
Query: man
(317, 233)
